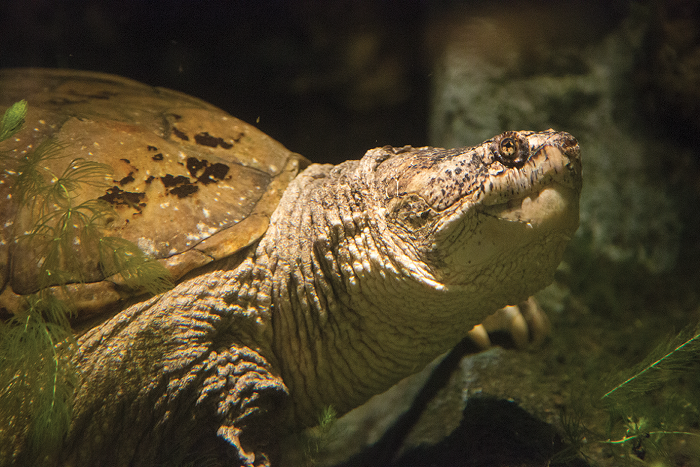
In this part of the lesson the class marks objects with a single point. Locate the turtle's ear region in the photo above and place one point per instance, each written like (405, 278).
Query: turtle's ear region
(247, 395)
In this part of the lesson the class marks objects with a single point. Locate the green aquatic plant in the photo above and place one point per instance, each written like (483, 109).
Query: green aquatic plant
(13, 119)
(641, 436)
(37, 377)
(139, 272)
(676, 354)
(650, 407)
(61, 237)
(318, 438)
(574, 433)
(657, 398)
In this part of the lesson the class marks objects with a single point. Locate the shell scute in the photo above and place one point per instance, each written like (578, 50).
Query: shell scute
(190, 183)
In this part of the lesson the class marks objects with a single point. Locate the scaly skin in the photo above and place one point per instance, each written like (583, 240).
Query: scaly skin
(368, 271)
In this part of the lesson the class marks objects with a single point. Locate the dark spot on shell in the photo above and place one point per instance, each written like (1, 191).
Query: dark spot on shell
(211, 173)
(151, 148)
(182, 186)
(158, 157)
(149, 180)
(125, 160)
(194, 165)
(184, 190)
(117, 197)
(170, 181)
(180, 134)
(458, 171)
(128, 179)
(64, 101)
(205, 139)
(104, 95)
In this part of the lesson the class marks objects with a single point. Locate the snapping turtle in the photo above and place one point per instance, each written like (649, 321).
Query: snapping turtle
(297, 290)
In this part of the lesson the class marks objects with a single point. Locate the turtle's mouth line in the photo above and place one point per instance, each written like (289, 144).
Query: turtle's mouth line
(554, 205)
(549, 202)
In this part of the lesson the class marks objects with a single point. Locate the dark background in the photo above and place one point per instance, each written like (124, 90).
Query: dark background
(329, 79)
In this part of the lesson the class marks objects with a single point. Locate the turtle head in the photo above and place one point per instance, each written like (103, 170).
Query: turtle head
(493, 214)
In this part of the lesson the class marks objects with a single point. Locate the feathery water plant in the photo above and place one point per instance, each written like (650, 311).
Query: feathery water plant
(677, 354)
(58, 237)
(319, 437)
(647, 405)
(13, 119)
(633, 399)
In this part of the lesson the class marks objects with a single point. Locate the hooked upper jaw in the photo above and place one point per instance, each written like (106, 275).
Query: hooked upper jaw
(511, 165)
(545, 189)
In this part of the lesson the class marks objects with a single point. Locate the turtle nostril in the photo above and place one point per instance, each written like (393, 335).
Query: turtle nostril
(569, 145)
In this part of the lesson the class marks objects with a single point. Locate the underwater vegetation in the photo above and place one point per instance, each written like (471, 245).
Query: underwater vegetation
(318, 438)
(37, 347)
(652, 409)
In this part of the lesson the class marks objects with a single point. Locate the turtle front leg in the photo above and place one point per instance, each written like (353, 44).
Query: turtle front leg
(172, 380)
(248, 397)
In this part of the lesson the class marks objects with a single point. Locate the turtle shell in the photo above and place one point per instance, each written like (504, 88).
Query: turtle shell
(190, 183)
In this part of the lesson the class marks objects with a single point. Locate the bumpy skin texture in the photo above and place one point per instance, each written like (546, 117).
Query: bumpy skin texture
(368, 271)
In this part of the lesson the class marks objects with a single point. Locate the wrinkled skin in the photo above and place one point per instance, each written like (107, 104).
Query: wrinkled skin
(368, 271)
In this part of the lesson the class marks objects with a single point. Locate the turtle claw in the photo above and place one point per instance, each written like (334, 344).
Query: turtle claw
(245, 459)
(516, 326)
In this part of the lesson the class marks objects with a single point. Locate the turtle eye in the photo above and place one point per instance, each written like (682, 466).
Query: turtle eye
(511, 149)
(507, 148)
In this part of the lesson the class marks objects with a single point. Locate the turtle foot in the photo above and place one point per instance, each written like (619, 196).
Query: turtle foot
(516, 326)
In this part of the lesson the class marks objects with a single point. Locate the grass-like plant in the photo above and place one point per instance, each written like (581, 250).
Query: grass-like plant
(647, 406)
(318, 438)
(61, 238)
(648, 401)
